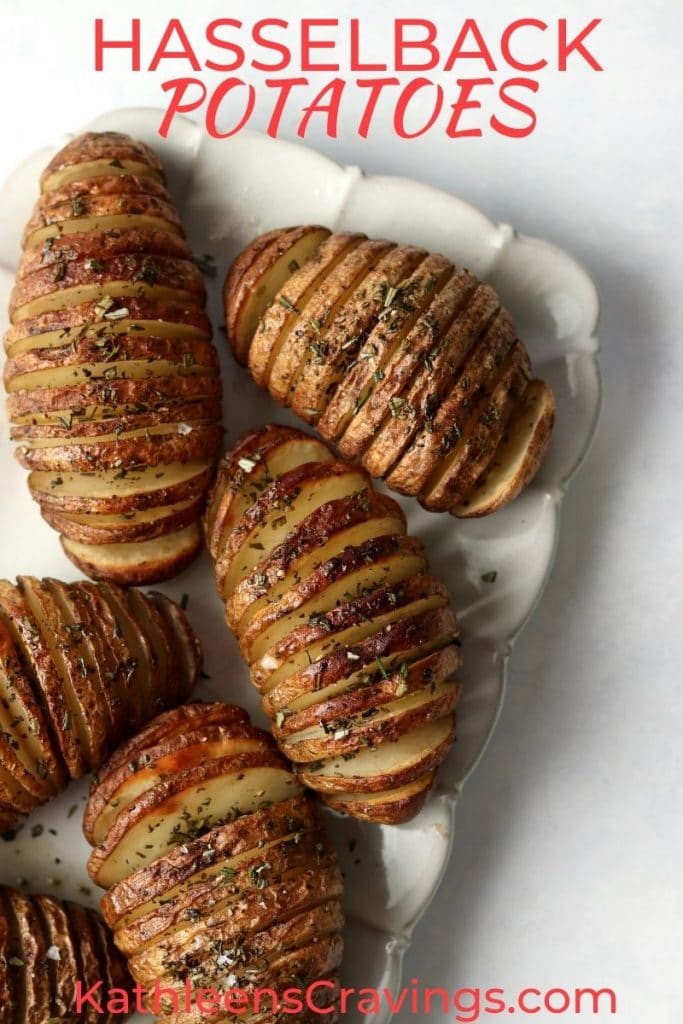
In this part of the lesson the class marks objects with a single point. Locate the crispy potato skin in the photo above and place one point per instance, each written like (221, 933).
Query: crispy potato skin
(77, 677)
(30, 926)
(110, 360)
(252, 870)
(403, 372)
(351, 643)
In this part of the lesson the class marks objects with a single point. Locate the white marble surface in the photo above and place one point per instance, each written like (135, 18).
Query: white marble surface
(568, 844)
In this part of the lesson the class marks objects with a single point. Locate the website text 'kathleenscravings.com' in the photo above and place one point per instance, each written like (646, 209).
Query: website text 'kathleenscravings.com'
(324, 998)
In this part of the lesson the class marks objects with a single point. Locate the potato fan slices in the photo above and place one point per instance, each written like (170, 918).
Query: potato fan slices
(82, 665)
(218, 870)
(114, 393)
(47, 947)
(349, 639)
(404, 362)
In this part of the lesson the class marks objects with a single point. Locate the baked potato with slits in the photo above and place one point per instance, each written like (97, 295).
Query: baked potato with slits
(403, 361)
(82, 665)
(114, 394)
(349, 639)
(216, 863)
(47, 946)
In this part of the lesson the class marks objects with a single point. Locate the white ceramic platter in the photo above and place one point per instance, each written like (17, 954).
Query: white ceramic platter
(229, 191)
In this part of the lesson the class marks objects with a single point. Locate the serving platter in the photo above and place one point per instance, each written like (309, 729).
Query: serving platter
(228, 191)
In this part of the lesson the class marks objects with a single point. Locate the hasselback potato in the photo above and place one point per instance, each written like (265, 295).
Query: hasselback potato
(350, 641)
(47, 947)
(403, 361)
(218, 870)
(82, 666)
(114, 394)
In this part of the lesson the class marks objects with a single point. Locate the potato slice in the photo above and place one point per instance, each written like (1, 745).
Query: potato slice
(157, 885)
(430, 447)
(386, 400)
(161, 643)
(346, 624)
(121, 492)
(403, 305)
(137, 669)
(308, 328)
(136, 563)
(187, 654)
(83, 649)
(322, 535)
(107, 150)
(279, 316)
(90, 968)
(254, 945)
(245, 472)
(176, 722)
(367, 663)
(389, 808)
(196, 799)
(89, 169)
(23, 723)
(387, 765)
(278, 509)
(378, 689)
(292, 883)
(63, 969)
(258, 274)
(381, 561)
(47, 682)
(145, 525)
(153, 446)
(125, 784)
(518, 457)
(105, 245)
(108, 652)
(146, 319)
(92, 349)
(333, 354)
(387, 724)
(452, 480)
(432, 382)
(103, 276)
(31, 953)
(83, 713)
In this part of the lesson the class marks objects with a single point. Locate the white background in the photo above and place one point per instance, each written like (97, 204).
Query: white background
(567, 859)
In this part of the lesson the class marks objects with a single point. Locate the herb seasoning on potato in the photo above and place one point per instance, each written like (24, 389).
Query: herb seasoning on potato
(114, 394)
(403, 361)
(350, 641)
(218, 870)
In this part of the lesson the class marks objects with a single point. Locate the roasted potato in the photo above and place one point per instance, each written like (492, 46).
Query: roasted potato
(82, 666)
(216, 863)
(402, 361)
(47, 946)
(350, 641)
(114, 393)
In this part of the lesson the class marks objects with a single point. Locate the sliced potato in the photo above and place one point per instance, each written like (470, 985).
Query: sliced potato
(257, 276)
(278, 510)
(137, 562)
(518, 456)
(195, 799)
(388, 808)
(391, 365)
(111, 371)
(219, 867)
(121, 492)
(308, 328)
(351, 644)
(274, 326)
